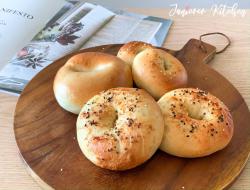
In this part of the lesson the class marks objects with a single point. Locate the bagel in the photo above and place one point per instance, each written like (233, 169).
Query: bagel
(196, 123)
(153, 69)
(129, 50)
(85, 75)
(120, 128)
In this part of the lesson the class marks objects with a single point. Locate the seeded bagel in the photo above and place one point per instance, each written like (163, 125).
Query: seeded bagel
(196, 123)
(153, 69)
(120, 128)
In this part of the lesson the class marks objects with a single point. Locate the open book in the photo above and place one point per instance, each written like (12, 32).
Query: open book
(78, 25)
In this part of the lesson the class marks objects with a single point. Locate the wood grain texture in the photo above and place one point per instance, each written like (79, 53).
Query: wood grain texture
(233, 64)
(45, 134)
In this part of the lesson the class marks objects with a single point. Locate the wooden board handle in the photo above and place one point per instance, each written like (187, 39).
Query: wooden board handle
(192, 52)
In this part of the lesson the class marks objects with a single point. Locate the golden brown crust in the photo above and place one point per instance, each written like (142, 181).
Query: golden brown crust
(85, 75)
(153, 69)
(196, 123)
(129, 50)
(120, 128)
(158, 72)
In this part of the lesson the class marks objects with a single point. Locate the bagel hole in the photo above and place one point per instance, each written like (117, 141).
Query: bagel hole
(195, 116)
(77, 68)
(89, 68)
(109, 117)
(115, 119)
(164, 64)
(194, 111)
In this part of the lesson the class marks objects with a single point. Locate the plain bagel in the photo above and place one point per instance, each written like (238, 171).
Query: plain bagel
(196, 123)
(120, 128)
(153, 69)
(85, 75)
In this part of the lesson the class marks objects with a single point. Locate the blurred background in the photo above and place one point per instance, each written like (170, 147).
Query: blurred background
(166, 4)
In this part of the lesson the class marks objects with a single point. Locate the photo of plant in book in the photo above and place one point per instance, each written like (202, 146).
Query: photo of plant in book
(58, 30)
(33, 56)
(62, 34)
(63, 29)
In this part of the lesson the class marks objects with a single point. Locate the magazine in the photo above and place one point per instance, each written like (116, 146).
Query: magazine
(78, 25)
(16, 17)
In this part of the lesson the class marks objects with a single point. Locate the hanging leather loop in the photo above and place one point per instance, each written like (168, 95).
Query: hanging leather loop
(213, 33)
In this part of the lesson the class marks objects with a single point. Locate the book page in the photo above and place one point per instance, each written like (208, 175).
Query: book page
(159, 37)
(145, 31)
(20, 21)
(63, 35)
(122, 29)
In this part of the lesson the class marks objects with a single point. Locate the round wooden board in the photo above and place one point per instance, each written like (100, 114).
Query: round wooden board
(46, 137)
